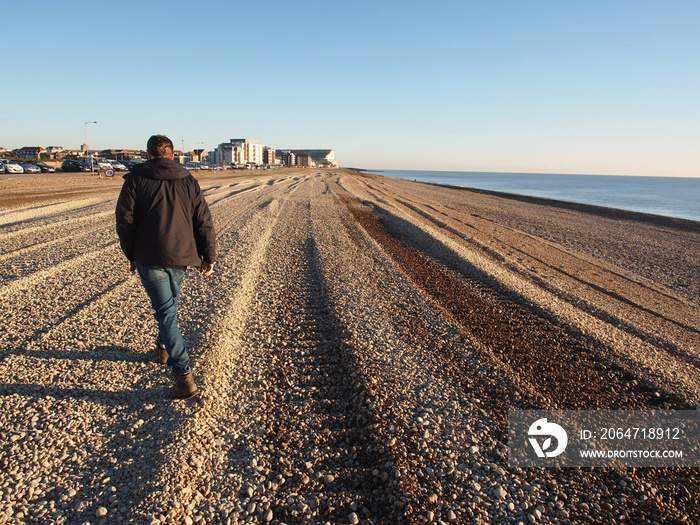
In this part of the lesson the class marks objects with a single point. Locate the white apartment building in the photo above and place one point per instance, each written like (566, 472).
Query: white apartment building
(239, 151)
(224, 154)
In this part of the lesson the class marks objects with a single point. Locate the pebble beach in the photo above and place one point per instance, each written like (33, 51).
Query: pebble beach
(357, 349)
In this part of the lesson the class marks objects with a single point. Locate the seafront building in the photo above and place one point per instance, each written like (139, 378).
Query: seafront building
(120, 154)
(239, 152)
(269, 157)
(318, 157)
(289, 158)
(242, 152)
(304, 160)
(235, 152)
(309, 157)
(30, 152)
(54, 151)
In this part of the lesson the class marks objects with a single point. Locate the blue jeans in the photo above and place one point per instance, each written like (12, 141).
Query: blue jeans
(162, 284)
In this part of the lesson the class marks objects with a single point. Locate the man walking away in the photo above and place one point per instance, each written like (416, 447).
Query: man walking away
(164, 226)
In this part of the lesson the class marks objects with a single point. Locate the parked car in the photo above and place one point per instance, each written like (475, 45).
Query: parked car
(88, 162)
(116, 165)
(2, 168)
(131, 163)
(74, 165)
(94, 164)
(192, 165)
(12, 167)
(102, 164)
(45, 167)
(30, 167)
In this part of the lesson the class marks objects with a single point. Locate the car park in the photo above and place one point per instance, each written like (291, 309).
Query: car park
(74, 165)
(30, 167)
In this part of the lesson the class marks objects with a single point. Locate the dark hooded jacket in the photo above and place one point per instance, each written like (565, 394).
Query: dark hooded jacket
(162, 217)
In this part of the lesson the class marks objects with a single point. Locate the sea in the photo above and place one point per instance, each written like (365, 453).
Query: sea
(677, 197)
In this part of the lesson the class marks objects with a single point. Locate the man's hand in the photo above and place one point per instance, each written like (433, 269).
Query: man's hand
(207, 268)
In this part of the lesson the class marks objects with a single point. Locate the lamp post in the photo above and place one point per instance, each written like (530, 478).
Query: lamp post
(87, 148)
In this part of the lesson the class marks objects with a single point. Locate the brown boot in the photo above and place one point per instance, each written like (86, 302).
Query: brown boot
(184, 386)
(162, 353)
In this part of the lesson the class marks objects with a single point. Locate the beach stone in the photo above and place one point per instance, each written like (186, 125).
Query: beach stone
(292, 338)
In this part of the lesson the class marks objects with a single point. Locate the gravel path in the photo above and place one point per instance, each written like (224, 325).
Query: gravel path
(357, 348)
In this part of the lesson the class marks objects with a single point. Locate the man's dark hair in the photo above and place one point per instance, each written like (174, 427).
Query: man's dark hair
(160, 146)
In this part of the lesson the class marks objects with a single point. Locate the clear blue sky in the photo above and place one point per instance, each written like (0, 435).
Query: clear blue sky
(606, 87)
